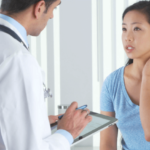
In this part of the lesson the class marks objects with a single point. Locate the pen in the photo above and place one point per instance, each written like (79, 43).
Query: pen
(82, 107)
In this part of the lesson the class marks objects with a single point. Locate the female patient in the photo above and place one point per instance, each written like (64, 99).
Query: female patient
(126, 92)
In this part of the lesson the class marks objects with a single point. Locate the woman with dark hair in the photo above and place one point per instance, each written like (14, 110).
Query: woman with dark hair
(126, 92)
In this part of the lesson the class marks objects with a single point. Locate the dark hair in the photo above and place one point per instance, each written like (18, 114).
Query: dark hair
(16, 6)
(144, 8)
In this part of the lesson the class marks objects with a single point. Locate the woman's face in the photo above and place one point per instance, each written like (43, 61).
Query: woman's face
(136, 35)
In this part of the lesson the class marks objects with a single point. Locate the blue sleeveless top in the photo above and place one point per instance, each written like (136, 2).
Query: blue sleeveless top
(114, 98)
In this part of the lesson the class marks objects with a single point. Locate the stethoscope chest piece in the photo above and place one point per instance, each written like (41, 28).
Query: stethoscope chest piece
(47, 92)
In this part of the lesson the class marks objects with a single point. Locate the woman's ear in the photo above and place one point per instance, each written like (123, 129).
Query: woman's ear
(39, 9)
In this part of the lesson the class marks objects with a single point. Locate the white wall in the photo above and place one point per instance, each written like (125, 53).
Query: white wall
(76, 53)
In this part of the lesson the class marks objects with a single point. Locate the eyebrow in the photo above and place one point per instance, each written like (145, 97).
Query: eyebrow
(132, 23)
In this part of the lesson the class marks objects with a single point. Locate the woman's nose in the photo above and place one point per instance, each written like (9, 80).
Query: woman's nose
(129, 37)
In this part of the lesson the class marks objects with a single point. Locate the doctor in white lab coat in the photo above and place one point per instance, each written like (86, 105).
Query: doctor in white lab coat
(24, 123)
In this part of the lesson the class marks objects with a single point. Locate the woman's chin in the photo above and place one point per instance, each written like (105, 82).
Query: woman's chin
(130, 57)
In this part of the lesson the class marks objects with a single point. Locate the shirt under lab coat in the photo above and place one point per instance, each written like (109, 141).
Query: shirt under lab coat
(24, 123)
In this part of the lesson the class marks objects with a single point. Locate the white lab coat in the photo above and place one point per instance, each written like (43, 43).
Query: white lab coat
(24, 122)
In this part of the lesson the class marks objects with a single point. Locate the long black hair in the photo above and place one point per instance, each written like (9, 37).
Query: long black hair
(144, 8)
(16, 6)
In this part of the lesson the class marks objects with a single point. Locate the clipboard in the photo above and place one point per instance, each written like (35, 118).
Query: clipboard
(98, 123)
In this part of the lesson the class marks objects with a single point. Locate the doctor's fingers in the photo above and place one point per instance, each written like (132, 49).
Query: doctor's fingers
(85, 121)
(85, 112)
(88, 119)
(81, 114)
(72, 107)
(60, 115)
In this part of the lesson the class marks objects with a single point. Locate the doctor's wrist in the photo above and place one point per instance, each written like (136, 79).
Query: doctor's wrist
(66, 134)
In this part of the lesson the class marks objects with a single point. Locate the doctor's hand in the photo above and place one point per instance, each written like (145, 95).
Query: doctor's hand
(74, 121)
(53, 119)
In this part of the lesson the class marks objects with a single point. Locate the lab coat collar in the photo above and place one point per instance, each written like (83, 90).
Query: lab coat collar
(7, 24)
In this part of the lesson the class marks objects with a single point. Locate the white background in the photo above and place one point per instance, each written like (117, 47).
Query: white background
(78, 49)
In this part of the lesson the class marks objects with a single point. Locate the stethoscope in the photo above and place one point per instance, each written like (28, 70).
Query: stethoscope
(47, 92)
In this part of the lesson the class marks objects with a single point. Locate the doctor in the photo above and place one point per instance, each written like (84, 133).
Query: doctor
(24, 123)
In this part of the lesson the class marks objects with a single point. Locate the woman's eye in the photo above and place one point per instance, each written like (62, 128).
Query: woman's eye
(124, 29)
(137, 29)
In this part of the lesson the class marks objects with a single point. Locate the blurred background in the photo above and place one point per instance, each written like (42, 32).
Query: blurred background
(77, 50)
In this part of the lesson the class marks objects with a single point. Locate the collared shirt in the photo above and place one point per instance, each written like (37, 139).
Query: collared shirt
(23, 33)
(17, 25)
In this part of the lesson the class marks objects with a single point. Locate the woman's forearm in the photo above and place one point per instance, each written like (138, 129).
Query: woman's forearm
(106, 147)
(145, 105)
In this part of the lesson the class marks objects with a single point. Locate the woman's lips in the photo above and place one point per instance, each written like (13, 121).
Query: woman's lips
(129, 48)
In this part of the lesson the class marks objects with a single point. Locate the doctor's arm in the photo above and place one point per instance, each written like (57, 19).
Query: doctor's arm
(24, 123)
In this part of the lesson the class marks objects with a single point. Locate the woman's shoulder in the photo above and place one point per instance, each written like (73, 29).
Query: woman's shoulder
(113, 82)
(115, 76)
(110, 88)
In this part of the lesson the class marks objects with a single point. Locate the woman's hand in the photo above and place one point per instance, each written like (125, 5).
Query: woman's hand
(146, 69)
(53, 119)
(145, 100)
